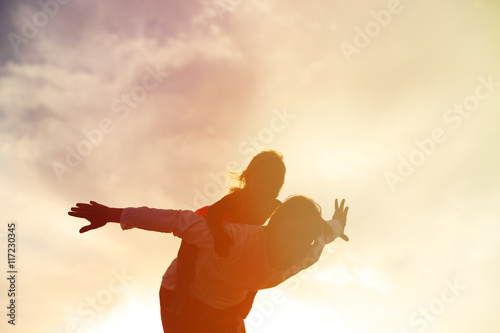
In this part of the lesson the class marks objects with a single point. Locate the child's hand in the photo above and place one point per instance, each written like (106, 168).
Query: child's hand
(222, 243)
(96, 214)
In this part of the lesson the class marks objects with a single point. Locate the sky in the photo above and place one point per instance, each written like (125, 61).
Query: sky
(392, 105)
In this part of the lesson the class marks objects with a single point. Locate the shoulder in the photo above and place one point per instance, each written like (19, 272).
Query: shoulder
(227, 204)
(245, 235)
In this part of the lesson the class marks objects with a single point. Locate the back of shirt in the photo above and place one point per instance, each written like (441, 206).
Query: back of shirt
(224, 282)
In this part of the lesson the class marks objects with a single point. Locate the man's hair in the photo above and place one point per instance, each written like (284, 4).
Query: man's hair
(300, 214)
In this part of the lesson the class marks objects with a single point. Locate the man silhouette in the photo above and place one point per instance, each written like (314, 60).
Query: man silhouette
(261, 257)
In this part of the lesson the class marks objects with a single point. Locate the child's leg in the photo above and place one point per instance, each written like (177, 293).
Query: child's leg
(192, 320)
(169, 320)
(186, 261)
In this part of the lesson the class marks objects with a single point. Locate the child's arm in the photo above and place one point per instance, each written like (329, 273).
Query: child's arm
(229, 204)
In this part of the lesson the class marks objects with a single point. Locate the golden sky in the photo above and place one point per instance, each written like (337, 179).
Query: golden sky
(392, 105)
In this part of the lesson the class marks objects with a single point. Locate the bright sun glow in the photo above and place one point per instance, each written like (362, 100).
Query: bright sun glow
(132, 317)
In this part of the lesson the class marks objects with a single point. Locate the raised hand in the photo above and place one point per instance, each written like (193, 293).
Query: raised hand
(341, 215)
(98, 215)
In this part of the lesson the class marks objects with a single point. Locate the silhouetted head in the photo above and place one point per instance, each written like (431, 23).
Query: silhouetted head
(264, 175)
(296, 224)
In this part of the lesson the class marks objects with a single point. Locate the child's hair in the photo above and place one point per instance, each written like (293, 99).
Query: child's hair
(264, 160)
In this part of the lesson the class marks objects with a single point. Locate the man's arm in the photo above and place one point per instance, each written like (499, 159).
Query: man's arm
(333, 229)
(98, 215)
(337, 223)
(182, 223)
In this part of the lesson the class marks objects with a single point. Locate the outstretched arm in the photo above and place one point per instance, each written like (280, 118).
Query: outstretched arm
(340, 216)
(98, 215)
(184, 224)
(332, 229)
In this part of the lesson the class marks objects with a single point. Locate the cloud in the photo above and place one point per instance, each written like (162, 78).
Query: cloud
(93, 62)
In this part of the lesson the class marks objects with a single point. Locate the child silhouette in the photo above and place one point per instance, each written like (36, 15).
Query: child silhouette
(252, 202)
